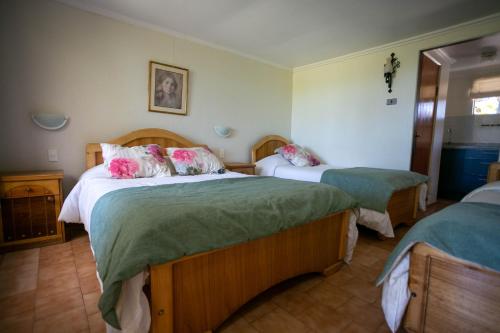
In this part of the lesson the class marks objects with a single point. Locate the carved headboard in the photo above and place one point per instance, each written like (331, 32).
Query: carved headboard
(145, 136)
(494, 172)
(266, 146)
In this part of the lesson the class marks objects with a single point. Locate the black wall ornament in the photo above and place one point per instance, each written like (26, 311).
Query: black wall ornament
(390, 67)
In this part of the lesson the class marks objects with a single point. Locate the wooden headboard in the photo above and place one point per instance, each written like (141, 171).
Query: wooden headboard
(266, 146)
(494, 172)
(145, 136)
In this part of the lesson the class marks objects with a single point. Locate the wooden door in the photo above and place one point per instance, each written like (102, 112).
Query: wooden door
(426, 111)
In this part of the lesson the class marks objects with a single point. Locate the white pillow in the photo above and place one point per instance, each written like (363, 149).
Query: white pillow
(267, 165)
(134, 162)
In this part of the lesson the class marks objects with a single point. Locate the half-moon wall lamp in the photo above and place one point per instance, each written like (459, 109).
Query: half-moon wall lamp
(50, 121)
(223, 131)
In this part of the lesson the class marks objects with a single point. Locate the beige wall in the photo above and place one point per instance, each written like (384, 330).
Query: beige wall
(56, 58)
(339, 110)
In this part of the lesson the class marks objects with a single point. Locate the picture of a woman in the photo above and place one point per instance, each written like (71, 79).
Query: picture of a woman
(167, 89)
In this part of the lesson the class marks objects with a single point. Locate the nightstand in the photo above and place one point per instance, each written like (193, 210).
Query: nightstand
(30, 203)
(246, 168)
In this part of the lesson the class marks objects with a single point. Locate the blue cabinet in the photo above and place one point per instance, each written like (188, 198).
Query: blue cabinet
(463, 170)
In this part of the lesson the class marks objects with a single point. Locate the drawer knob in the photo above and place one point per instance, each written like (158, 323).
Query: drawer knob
(50, 199)
(27, 189)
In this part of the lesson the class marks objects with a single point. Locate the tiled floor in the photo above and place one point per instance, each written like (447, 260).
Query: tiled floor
(55, 289)
(51, 289)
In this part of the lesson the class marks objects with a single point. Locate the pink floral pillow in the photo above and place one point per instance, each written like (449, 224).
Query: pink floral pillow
(194, 161)
(297, 155)
(134, 162)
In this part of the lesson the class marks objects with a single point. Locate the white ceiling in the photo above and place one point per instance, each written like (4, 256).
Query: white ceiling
(467, 55)
(292, 33)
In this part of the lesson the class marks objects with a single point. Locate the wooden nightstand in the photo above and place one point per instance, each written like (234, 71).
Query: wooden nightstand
(246, 168)
(30, 204)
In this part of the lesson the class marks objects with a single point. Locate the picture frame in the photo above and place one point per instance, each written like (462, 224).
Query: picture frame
(168, 88)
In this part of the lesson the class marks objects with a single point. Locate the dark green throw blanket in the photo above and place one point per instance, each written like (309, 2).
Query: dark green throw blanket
(466, 230)
(372, 188)
(136, 227)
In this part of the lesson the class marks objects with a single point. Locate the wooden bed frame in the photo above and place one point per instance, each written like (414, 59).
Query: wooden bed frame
(197, 293)
(402, 206)
(449, 294)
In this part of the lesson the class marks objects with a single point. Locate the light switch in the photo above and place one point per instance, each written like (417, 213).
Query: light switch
(391, 101)
(53, 155)
(221, 153)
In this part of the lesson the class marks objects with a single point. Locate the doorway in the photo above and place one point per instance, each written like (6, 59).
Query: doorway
(457, 116)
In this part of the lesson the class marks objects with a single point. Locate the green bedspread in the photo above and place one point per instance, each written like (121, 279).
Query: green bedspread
(136, 227)
(372, 188)
(466, 230)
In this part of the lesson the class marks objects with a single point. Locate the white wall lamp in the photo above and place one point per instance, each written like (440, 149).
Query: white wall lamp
(390, 66)
(49, 121)
(223, 131)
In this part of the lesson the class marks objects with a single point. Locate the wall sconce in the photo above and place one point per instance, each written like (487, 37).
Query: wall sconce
(223, 131)
(49, 121)
(390, 67)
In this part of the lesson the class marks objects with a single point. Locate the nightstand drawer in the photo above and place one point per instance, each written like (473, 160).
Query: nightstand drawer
(29, 188)
(247, 171)
(246, 168)
(30, 203)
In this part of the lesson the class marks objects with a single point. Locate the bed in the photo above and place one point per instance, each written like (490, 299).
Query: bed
(197, 292)
(442, 288)
(401, 208)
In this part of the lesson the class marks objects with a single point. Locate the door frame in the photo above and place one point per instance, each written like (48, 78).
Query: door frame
(417, 93)
(421, 52)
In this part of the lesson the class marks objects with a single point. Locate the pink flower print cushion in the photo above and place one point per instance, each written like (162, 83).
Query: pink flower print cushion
(297, 155)
(184, 156)
(313, 161)
(194, 161)
(156, 152)
(123, 168)
(148, 159)
(289, 149)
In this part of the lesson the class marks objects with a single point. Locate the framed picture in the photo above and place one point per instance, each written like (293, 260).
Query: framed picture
(168, 88)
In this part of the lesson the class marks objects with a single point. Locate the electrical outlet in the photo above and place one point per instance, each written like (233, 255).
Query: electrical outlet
(221, 153)
(53, 155)
(391, 101)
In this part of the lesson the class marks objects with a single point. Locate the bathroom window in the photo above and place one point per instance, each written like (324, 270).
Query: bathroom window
(486, 105)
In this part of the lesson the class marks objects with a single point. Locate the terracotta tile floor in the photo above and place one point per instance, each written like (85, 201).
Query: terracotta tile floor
(50, 289)
(55, 289)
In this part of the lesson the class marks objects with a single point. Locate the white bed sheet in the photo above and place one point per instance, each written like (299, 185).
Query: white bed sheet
(133, 307)
(396, 294)
(367, 217)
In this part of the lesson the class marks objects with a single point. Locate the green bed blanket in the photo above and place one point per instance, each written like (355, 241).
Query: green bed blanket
(466, 230)
(136, 227)
(372, 188)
